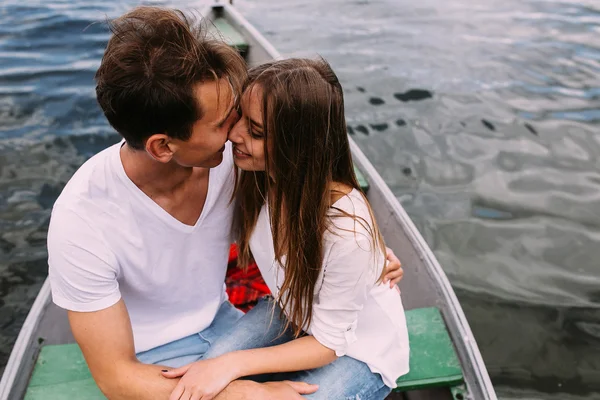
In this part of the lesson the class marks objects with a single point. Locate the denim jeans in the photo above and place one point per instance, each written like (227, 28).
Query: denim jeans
(345, 378)
(192, 348)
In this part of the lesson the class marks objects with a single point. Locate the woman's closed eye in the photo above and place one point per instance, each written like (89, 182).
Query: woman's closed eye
(255, 134)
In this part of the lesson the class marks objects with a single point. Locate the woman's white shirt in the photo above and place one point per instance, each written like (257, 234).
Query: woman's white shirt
(352, 313)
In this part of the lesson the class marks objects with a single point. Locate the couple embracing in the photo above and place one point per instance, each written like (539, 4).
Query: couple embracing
(214, 154)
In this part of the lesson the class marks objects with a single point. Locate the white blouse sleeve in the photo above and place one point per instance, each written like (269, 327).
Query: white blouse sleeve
(350, 271)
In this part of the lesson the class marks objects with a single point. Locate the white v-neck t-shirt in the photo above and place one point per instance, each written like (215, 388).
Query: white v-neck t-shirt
(108, 240)
(352, 314)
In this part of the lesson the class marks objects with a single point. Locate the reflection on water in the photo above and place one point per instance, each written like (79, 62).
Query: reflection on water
(482, 117)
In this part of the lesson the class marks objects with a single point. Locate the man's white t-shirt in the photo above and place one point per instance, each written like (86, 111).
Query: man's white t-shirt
(107, 240)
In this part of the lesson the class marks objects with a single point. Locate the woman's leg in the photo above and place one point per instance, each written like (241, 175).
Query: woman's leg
(345, 378)
(260, 327)
(191, 348)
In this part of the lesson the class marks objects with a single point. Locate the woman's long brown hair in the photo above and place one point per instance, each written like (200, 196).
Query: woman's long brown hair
(306, 150)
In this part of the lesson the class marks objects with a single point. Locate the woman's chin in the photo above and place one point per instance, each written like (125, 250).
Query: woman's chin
(241, 166)
(246, 165)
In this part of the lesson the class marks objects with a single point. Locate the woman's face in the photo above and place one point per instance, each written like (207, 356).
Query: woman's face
(247, 135)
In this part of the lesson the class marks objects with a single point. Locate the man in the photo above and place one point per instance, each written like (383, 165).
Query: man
(139, 238)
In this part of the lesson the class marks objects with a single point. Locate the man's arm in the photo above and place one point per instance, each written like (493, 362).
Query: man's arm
(249, 390)
(106, 340)
(83, 273)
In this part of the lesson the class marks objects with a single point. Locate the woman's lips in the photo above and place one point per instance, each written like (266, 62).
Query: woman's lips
(240, 154)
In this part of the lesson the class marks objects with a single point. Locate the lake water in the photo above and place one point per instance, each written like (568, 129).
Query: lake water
(482, 116)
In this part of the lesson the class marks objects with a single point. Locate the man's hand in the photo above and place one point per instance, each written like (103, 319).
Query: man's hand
(285, 390)
(393, 268)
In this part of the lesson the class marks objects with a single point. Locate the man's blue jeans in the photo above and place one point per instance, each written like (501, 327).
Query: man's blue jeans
(345, 378)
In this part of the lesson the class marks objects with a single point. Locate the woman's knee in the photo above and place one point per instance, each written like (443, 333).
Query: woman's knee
(345, 378)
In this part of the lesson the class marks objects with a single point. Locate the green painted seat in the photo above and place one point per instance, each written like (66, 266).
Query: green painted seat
(61, 372)
(433, 360)
(223, 29)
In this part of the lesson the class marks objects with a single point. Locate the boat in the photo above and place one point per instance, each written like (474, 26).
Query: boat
(445, 360)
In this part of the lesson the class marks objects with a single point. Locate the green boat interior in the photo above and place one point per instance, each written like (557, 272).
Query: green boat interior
(62, 373)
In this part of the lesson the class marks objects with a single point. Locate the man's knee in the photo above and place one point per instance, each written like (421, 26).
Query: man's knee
(345, 378)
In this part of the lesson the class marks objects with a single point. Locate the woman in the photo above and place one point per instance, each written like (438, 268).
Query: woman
(303, 219)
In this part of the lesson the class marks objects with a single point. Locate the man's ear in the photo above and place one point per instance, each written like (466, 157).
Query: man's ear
(160, 147)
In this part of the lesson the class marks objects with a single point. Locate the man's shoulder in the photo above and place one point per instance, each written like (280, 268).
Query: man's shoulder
(86, 204)
(90, 183)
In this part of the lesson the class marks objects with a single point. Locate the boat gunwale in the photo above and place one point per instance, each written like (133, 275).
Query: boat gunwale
(25, 343)
(454, 309)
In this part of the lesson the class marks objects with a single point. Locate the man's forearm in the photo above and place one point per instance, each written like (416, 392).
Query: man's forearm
(145, 382)
(138, 381)
(239, 390)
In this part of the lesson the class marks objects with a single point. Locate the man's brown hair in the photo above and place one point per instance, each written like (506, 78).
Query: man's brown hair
(145, 83)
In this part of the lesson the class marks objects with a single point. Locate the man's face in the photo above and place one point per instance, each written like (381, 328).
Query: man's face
(206, 144)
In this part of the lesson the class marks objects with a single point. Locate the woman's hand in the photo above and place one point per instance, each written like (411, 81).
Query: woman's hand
(204, 379)
(393, 268)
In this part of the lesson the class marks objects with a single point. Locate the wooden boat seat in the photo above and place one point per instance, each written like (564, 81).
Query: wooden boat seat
(433, 360)
(62, 373)
(221, 28)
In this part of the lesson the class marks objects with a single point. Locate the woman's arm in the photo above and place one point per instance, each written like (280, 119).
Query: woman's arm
(298, 355)
(205, 379)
